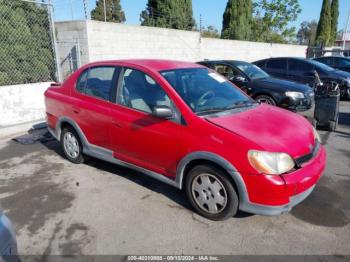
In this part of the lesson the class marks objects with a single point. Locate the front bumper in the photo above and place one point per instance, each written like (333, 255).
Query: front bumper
(273, 198)
(299, 104)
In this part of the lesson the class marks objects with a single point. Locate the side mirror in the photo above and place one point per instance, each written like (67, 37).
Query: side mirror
(163, 112)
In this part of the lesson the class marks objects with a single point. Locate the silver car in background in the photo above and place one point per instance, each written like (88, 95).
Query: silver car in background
(8, 244)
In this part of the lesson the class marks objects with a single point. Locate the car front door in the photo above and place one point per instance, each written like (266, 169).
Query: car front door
(138, 137)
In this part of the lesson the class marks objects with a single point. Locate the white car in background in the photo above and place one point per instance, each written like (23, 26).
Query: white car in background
(8, 244)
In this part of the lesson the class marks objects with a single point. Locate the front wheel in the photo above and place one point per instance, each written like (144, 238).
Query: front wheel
(266, 100)
(211, 193)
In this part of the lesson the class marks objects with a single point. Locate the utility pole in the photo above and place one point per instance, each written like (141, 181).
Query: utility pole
(71, 9)
(200, 28)
(346, 31)
(85, 9)
(104, 9)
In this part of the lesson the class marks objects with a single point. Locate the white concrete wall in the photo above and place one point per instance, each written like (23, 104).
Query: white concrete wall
(118, 41)
(69, 36)
(22, 103)
(106, 41)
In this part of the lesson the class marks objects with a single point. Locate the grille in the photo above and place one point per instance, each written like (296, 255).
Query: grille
(306, 158)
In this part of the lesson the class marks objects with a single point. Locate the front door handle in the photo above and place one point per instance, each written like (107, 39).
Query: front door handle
(116, 123)
(76, 110)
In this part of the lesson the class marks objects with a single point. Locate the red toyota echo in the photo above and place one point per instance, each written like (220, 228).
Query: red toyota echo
(189, 127)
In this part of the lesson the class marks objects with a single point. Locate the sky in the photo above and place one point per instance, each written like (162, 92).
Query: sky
(211, 11)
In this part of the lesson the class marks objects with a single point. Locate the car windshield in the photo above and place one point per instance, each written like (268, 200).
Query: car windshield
(204, 91)
(252, 71)
(321, 66)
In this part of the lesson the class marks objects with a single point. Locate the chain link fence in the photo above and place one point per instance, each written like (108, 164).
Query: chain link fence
(27, 50)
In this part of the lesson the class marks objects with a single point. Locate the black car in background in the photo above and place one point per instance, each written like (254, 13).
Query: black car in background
(302, 70)
(262, 87)
(337, 62)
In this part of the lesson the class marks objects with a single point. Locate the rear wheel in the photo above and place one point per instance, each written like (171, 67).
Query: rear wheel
(266, 100)
(211, 193)
(71, 145)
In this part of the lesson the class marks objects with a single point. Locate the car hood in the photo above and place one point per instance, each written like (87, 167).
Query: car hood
(271, 128)
(286, 85)
(340, 74)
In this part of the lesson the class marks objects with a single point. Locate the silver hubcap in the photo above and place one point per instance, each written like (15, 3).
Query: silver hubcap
(71, 145)
(265, 101)
(209, 193)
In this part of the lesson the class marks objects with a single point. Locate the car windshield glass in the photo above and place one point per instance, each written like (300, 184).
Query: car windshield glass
(321, 66)
(252, 71)
(204, 91)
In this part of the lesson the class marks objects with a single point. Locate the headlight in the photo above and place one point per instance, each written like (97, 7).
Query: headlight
(347, 80)
(295, 94)
(316, 135)
(270, 163)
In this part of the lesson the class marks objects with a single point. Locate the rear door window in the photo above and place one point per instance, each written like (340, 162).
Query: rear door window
(98, 82)
(299, 66)
(278, 65)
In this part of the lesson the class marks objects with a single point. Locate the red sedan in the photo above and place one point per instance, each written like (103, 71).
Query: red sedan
(187, 126)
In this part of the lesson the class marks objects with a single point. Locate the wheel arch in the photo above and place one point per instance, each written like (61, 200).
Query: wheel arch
(202, 157)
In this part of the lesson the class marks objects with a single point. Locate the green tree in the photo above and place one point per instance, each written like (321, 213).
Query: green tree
(307, 33)
(323, 34)
(114, 12)
(210, 32)
(237, 20)
(25, 43)
(335, 16)
(272, 18)
(175, 14)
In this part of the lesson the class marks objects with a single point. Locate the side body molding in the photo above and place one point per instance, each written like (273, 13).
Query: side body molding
(107, 155)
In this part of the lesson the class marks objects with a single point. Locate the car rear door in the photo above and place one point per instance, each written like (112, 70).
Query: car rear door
(92, 99)
(277, 67)
(138, 137)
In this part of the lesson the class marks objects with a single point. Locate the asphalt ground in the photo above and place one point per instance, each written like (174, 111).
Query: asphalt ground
(98, 208)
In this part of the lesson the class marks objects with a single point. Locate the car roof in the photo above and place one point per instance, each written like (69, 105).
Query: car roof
(223, 61)
(334, 56)
(152, 64)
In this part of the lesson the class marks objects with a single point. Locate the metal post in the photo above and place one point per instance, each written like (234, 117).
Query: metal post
(85, 9)
(200, 28)
(346, 31)
(104, 9)
(53, 33)
(71, 9)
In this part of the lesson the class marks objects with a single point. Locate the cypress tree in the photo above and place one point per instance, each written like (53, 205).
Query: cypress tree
(335, 15)
(114, 12)
(175, 14)
(237, 20)
(323, 34)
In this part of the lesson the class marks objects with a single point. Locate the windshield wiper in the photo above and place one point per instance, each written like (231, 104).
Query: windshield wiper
(211, 111)
(239, 104)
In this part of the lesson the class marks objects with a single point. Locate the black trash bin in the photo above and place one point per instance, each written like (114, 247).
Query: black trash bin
(327, 97)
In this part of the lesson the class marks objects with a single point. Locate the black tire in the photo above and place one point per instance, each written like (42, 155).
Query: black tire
(266, 100)
(232, 201)
(79, 158)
